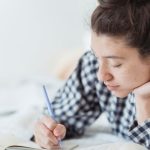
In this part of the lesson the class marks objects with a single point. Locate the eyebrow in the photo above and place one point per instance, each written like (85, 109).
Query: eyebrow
(109, 57)
(113, 57)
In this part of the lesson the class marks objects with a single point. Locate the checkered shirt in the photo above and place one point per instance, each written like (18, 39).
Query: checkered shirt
(83, 98)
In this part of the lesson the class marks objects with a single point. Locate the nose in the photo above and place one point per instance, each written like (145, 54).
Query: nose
(104, 74)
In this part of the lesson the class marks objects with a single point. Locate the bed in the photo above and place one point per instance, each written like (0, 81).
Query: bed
(21, 105)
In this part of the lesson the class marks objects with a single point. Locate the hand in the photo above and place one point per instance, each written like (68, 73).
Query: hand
(142, 99)
(143, 91)
(47, 132)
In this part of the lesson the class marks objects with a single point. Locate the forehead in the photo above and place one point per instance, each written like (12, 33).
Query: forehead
(104, 45)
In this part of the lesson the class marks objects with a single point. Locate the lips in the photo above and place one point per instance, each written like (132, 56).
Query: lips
(112, 87)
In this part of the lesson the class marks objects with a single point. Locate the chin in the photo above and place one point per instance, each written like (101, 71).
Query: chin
(120, 94)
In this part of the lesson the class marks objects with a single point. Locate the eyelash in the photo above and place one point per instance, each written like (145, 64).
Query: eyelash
(117, 66)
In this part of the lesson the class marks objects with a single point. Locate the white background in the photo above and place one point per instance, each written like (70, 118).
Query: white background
(35, 33)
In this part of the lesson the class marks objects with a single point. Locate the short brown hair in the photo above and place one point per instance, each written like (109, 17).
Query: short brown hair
(125, 18)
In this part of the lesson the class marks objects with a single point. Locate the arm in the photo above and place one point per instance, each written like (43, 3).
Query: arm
(142, 98)
(76, 104)
(140, 132)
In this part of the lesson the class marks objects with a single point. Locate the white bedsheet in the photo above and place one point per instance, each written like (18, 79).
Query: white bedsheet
(25, 100)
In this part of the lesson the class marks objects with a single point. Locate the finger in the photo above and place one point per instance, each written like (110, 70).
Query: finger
(49, 122)
(46, 144)
(42, 131)
(45, 132)
(60, 131)
(54, 147)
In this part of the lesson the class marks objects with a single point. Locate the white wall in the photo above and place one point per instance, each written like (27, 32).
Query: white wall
(33, 32)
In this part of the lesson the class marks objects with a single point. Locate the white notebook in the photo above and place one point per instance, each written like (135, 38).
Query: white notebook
(13, 143)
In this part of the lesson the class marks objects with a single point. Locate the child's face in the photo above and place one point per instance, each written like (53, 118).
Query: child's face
(120, 66)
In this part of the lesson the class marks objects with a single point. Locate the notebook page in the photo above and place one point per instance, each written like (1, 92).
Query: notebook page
(11, 141)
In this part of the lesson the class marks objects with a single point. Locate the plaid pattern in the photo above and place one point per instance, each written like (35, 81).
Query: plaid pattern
(83, 98)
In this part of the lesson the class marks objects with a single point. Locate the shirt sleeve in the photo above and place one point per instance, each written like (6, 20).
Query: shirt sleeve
(141, 133)
(76, 104)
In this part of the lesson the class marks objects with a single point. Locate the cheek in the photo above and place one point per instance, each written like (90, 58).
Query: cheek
(133, 78)
(125, 77)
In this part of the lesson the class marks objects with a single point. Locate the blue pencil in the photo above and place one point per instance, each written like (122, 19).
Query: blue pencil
(49, 107)
(48, 104)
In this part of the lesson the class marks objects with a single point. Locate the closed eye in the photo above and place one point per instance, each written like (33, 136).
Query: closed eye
(117, 66)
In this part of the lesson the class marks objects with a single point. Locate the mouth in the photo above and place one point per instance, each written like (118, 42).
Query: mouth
(112, 88)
